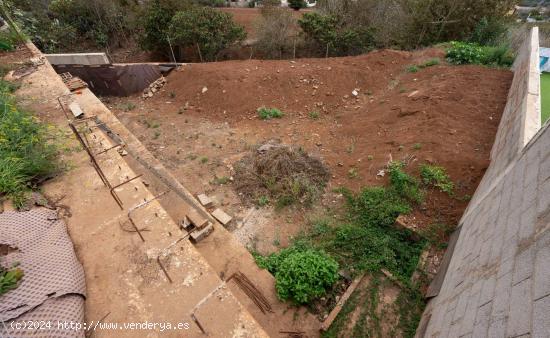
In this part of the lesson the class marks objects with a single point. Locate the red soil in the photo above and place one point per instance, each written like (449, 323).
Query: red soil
(446, 115)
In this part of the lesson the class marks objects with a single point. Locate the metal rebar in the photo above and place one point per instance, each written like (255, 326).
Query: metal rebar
(92, 158)
(198, 323)
(136, 228)
(164, 270)
(106, 150)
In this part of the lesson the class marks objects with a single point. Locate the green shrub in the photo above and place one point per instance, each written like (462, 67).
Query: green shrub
(269, 113)
(26, 154)
(437, 177)
(472, 53)
(206, 29)
(404, 184)
(302, 274)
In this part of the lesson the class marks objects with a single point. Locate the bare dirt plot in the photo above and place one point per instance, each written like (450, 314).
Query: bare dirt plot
(205, 119)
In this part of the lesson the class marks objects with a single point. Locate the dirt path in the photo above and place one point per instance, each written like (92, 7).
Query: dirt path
(205, 119)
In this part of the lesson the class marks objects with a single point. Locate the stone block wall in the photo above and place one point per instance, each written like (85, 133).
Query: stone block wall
(498, 280)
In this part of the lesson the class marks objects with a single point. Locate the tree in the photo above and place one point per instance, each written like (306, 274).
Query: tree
(206, 29)
(333, 35)
(155, 20)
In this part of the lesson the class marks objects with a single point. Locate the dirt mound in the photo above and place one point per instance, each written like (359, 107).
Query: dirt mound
(280, 174)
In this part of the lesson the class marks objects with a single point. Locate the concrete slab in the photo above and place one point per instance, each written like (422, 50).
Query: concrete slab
(221, 216)
(78, 59)
(205, 200)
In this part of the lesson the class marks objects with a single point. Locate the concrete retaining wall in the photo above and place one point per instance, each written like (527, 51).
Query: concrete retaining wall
(78, 59)
(498, 281)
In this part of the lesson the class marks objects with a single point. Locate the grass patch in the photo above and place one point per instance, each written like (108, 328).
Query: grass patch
(9, 279)
(545, 96)
(204, 160)
(128, 106)
(269, 113)
(436, 176)
(27, 154)
(437, 234)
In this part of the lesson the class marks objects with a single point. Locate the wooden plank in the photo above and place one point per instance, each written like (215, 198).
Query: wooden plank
(334, 313)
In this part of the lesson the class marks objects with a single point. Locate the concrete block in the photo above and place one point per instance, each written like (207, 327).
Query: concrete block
(519, 321)
(221, 216)
(483, 318)
(502, 294)
(205, 200)
(541, 277)
(497, 328)
(541, 318)
(197, 220)
(487, 290)
(199, 234)
(523, 267)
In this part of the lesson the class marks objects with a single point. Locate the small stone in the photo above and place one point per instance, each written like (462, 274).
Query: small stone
(204, 90)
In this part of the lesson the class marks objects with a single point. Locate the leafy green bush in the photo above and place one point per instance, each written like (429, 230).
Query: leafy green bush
(26, 155)
(301, 273)
(472, 53)
(206, 29)
(404, 184)
(412, 68)
(269, 113)
(437, 177)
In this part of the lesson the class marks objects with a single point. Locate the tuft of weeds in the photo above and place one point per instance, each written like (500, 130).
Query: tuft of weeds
(412, 69)
(437, 177)
(128, 106)
(156, 135)
(417, 146)
(262, 201)
(269, 113)
(314, 115)
(204, 160)
(404, 184)
(172, 95)
(353, 173)
(429, 63)
(221, 180)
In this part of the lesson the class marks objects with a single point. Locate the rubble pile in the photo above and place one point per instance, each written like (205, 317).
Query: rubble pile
(154, 87)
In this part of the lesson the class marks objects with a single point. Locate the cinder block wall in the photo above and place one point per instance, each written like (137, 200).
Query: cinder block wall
(498, 280)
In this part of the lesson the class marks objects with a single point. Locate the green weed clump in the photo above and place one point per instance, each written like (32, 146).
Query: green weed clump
(269, 113)
(9, 279)
(404, 184)
(302, 273)
(437, 177)
(26, 153)
(367, 239)
(471, 53)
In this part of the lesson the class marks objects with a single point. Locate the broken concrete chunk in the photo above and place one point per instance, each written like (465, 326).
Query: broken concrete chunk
(197, 220)
(75, 109)
(221, 216)
(205, 200)
(199, 235)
